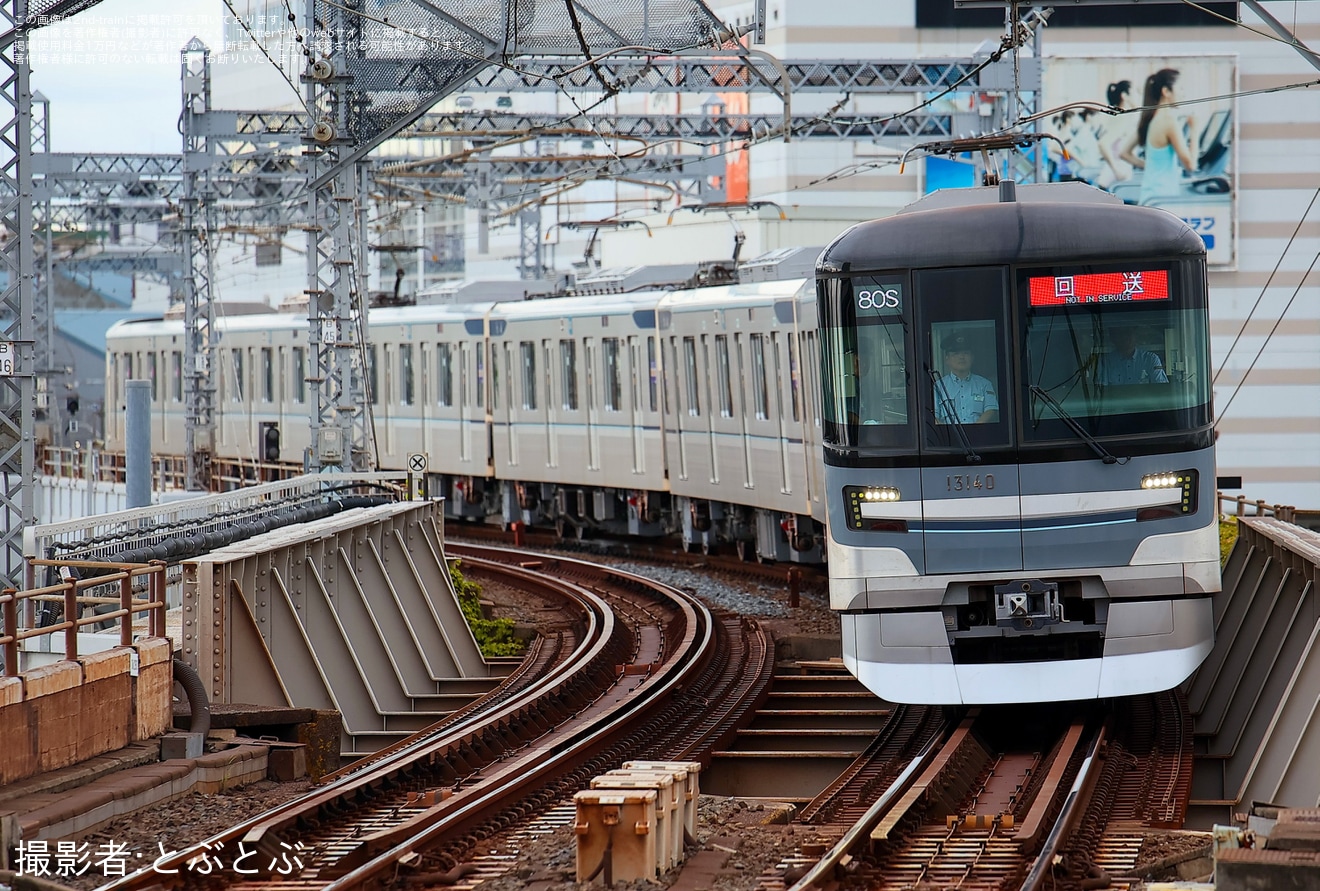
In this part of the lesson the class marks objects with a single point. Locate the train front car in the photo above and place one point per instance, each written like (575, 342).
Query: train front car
(1018, 444)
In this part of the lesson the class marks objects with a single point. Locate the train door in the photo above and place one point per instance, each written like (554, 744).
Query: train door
(510, 410)
(803, 368)
(705, 373)
(425, 390)
(388, 383)
(659, 395)
(281, 388)
(782, 418)
(742, 408)
(679, 375)
(551, 415)
(593, 416)
(637, 421)
(972, 517)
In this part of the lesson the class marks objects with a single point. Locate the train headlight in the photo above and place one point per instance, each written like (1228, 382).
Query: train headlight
(1180, 503)
(859, 500)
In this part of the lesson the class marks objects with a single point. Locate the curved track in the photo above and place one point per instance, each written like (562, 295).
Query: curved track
(629, 645)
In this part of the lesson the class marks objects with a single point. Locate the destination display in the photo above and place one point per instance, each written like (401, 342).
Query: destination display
(1099, 287)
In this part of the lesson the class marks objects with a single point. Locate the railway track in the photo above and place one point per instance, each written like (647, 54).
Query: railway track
(602, 690)
(1010, 798)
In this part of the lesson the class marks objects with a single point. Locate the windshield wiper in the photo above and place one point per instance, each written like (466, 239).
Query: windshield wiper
(1075, 427)
(972, 457)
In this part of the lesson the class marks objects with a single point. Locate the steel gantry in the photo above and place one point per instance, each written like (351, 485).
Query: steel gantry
(254, 168)
(366, 79)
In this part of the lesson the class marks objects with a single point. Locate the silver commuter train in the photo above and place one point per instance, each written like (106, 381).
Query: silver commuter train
(547, 411)
(1008, 561)
(1019, 448)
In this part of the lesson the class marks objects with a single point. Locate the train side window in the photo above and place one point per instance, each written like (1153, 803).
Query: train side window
(670, 358)
(690, 365)
(444, 372)
(589, 368)
(267, 375)
(724, 381)
(548, 373)
(527, 349)
(508, 374)
(151, 376)
(794, 382)
(568, 373)
(494, 376)
(236, 369)
(760, 394)
(176, 376)
(652, 371)
(373, 375)
(481, 375)
(299, 374)
(809, 363)
(407, 383)
(613, 374)
(465, 373)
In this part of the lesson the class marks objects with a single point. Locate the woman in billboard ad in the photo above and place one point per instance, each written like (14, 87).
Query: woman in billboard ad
(1150, 150)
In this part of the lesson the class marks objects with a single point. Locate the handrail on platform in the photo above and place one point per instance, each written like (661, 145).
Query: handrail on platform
(1285, 512)
(67, 593)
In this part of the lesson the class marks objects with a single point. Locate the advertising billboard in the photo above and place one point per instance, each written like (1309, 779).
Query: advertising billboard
(1169, 154)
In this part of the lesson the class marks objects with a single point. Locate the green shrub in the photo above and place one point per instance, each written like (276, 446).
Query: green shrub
(1228, 531)
(494, 636)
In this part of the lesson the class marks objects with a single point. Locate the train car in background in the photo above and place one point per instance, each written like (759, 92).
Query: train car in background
(737, 419)
(559, 412)
(1018, 447)
(576, 413)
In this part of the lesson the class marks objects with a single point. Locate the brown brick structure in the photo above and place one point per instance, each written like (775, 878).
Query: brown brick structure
(59, 714)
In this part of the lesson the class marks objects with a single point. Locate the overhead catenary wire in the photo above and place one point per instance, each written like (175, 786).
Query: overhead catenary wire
(1265, 287)
(1274, 328)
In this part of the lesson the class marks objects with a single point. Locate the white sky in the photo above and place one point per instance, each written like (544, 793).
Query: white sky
(112, 73)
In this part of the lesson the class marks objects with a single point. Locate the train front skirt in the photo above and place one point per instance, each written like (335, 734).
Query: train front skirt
(1149, 646)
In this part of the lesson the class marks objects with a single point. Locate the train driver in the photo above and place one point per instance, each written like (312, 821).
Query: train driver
(960, 393)
(1128, 363)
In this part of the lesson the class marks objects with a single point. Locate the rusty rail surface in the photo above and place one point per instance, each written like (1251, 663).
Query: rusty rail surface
(72, 594)
(467, 780)
(907, 730)
(990, 808)
(965, 813)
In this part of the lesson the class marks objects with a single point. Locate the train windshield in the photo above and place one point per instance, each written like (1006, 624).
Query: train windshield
(866, 391)
(930, 362)
(1120, 351)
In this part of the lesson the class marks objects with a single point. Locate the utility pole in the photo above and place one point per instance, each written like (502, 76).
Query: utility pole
(17, 261)
(195, 235)
(342, 432)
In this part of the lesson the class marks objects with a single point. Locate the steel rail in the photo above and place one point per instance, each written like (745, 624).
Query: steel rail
(599, 627)
(826, 866)
(588, 740)
(1073, 807)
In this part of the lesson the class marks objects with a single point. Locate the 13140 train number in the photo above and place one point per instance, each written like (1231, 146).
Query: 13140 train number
(968, 482)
